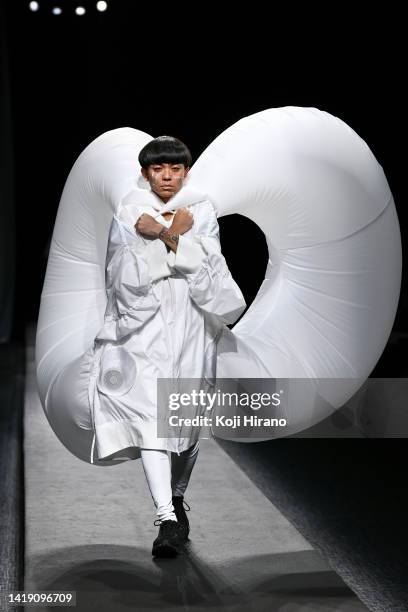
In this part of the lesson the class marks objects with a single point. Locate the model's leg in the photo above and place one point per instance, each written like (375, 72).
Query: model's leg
(156, 466)
(181, 468)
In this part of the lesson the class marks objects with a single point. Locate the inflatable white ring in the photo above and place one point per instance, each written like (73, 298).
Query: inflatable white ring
(328, 302)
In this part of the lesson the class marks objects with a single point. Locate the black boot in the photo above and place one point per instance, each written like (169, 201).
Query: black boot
(169, 541)
(181, 515)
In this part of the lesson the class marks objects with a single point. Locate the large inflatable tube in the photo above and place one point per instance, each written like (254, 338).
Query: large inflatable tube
(328, 302)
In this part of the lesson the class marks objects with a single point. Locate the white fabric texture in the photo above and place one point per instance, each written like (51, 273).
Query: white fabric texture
(324, 311)
(168, 476)
(168, 324)
(156, 466)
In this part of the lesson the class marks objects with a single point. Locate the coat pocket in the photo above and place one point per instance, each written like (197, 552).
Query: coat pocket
(118, 371)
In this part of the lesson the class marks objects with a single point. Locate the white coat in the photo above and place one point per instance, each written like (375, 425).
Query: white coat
(164, 315)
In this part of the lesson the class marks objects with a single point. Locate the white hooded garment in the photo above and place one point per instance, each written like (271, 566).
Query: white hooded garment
(165, 312)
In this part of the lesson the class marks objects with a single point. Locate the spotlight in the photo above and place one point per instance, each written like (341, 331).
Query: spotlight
(34, 6)
(80, 10)
(101, 6)
(56, 10)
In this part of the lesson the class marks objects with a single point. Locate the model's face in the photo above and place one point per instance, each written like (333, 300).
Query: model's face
(165, 179)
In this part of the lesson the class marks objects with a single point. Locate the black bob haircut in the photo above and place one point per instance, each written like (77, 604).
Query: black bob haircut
(165, 149)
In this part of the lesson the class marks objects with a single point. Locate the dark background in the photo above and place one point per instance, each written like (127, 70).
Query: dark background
(73, 78)
(192, 70)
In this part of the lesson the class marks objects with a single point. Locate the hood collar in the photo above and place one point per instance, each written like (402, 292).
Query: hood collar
(143, 195)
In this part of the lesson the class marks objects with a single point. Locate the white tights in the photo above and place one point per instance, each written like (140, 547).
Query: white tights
(164, 481)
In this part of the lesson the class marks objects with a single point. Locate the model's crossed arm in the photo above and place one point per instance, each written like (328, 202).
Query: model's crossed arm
(182, 222)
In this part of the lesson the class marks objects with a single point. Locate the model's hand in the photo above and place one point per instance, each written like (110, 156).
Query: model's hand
(148, 226)
(182, 221)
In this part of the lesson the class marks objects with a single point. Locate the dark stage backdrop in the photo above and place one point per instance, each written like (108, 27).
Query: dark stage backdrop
(7, 203)
(73, 78)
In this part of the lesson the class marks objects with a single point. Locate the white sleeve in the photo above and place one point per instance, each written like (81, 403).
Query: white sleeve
(155, 255)
(155, 251)
(211, 285)
(131, 299)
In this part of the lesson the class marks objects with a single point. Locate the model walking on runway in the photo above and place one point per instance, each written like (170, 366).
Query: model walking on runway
(170, 293)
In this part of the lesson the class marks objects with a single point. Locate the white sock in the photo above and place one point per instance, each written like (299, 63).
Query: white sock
(156, 466)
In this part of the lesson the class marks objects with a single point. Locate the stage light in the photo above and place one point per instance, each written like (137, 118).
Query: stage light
(56, 10)
(101, 6)
(80, 10)
(34, 6)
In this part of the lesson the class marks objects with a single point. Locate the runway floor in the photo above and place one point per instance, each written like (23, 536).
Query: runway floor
(90, 529)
